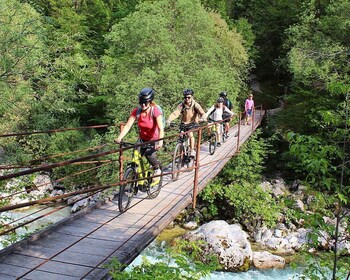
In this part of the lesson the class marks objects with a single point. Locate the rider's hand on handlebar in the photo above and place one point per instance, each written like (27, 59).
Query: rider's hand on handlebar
(118, 140)
(159, 145)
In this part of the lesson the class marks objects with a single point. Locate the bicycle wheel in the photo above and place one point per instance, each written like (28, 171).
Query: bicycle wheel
(223, 133)
(177, 161)
(188, 159)
(212, 143)
(153, 191)
(127, 190)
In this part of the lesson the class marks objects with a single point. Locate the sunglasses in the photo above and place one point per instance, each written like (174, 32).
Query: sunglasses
(144, 103)
(187, 97)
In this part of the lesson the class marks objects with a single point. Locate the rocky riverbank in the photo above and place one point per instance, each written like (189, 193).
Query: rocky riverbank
(273, 247)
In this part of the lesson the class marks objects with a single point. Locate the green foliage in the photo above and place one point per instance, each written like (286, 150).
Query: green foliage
(315, 158)
(235, 194)
(319, 50)
(319, 266)
(22, 52)
(174, 264)
(171, 46)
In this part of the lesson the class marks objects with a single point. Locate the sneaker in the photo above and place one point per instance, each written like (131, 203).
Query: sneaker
(156, 180)
(193, 153)
(218, 144)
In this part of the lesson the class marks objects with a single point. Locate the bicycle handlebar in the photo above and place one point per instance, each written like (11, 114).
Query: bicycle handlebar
(128, 144)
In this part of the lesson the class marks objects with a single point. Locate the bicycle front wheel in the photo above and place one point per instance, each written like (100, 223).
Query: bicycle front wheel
(212, 143)
(154, 189)
(127, 190)
(223, 133)
(177, 163)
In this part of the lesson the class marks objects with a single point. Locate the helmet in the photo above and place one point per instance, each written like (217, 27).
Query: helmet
(220, 100)
(188, 91)
(223, 94)
(146, 95)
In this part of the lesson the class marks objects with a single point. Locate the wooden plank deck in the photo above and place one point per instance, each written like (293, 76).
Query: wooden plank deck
(79, 248)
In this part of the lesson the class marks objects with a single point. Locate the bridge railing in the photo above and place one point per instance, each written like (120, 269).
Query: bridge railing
(97, 159)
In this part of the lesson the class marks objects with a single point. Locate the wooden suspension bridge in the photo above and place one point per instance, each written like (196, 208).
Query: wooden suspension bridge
(79, 246)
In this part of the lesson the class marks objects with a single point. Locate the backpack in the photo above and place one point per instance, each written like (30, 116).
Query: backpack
(139, 110)
(228, 104)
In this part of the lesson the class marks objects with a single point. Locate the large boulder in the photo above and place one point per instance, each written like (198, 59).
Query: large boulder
(266, 260)
(228, 242)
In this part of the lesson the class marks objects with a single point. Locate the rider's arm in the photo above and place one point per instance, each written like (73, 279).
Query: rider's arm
(206, 115)
(126, 128)
(175, 114)
(159, 120)
(227, 110)
(200, 110)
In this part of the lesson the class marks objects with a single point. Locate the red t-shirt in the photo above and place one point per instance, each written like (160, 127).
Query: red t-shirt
(148, 128)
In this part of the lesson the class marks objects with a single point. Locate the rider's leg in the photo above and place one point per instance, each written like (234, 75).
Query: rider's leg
(218, 133)
(151, 156)
(192, 143)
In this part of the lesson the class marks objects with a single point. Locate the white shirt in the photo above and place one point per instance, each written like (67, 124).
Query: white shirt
(217, 114)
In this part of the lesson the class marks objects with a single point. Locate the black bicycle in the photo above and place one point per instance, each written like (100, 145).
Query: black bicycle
(182, 153)
(137, 176)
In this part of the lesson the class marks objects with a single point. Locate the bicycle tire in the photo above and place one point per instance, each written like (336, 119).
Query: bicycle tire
(212, 143)
(223, 133)
(188, 159)
(177, 162)
(127, 191)
(153, 192)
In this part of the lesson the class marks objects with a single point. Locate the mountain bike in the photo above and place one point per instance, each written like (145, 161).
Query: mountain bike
(137, 178)
(214, 136)
(182, 153)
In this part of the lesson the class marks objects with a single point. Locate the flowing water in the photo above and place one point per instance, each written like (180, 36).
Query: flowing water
(156, 249)
(14, 218)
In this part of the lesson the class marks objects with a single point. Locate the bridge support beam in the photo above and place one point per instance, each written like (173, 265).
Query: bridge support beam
(196, 170)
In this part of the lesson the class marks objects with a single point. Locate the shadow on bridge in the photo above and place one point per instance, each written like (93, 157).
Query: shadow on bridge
(80, 245)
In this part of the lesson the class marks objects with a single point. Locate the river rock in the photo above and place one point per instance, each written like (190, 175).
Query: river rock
(228, 242)
(190, 225)
(266, 260)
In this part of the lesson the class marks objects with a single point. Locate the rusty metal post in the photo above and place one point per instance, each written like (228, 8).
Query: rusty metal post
(239, 131)
(121, 158)
(196, 170)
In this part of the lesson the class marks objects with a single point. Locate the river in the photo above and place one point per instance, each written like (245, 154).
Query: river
(17, 217)
(156, 249)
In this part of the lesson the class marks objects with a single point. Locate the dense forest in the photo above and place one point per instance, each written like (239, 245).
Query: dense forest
(77, 63)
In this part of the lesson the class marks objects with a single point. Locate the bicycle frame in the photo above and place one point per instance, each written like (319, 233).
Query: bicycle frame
(138, 163)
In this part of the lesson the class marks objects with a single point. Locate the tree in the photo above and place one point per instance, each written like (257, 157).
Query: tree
(171, 46)
(318, 60)
(22, 54)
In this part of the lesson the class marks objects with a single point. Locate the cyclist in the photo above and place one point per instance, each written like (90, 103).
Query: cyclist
(150, 125)
(190, 112)
(249, 107)
(215, 114)
(225, 116)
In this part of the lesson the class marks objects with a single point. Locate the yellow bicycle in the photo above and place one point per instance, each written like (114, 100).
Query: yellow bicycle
(214, 136)
(137, 176)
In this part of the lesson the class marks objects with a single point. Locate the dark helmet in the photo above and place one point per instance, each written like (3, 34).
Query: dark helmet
(188, 91)
(223, 94)
(146, 95)
(220, 100)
